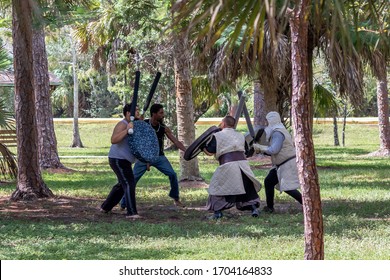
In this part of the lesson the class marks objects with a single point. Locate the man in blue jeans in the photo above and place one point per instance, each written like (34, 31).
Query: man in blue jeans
(161, 163)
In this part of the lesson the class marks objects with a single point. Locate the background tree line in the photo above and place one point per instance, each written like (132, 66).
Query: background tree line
(105, 78)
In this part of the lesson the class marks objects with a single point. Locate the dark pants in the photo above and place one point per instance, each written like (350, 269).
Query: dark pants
(125, 186)
(247, 201)
(164, 166)
(270, 182)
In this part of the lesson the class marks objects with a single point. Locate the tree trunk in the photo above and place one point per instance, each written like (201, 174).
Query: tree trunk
(30, 184)
(335, 132)
(47, 142)
(383, 111)
(259, 105)
(270, 99)
(345, 113)
(308, 177)
(184, 105)
(76, 141)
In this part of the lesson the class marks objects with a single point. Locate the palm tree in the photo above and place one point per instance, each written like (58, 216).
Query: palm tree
(120, 20)
(325, 104)
(270, 68)
(76, 139)
(375, 47)
(184, 103)
(258, 104)
(378, 62)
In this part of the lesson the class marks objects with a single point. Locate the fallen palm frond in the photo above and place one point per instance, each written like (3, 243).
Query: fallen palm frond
(8, 166)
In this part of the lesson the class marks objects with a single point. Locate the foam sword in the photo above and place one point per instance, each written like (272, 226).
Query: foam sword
(151, 92)
(241, 104)
(247, 117)
(133, 107)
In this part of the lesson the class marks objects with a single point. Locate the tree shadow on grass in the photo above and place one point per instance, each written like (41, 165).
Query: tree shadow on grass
(84, 228)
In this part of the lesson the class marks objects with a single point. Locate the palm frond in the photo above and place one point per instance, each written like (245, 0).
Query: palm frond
(7, 120)
(202, 95)
(8, 166)
(213, 18)
(325, 101)
(345, 70)
(5, 60)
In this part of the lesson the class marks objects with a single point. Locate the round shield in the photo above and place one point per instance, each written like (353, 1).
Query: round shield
(197, 146)
(143, 142)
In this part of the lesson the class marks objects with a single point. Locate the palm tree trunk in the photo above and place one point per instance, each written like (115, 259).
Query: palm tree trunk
(76, 141)
(184, 105)
(270, 97)
(47, 142)
(301, 112)
(383, 111)
(335, 132)
(30, 184)
(259, 104)
(345, 113)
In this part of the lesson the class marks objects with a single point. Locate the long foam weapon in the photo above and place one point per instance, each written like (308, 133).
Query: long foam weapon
(247, 117)
(240, 106)
(255, 134)
(151, 92)
(133, 107)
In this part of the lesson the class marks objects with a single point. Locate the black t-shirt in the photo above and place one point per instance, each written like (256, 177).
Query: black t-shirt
(160, 132)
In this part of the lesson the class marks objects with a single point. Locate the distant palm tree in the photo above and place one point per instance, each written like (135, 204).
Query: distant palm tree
(374, 39)
(325, 103)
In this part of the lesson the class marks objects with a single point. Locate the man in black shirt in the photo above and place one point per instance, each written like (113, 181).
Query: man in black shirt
(161, 163)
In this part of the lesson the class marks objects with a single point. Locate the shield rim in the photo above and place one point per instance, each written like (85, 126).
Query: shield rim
(194, 149)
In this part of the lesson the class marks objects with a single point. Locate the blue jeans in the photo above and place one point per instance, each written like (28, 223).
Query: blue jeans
(165, 167)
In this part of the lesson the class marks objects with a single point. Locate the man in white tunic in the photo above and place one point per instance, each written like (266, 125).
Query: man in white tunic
(233, 182)
(284, 173)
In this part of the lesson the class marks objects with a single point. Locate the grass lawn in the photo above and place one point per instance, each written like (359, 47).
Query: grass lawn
(355, 192)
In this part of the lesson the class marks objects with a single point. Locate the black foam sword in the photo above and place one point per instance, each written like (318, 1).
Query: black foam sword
(151, 92)
(133, 107)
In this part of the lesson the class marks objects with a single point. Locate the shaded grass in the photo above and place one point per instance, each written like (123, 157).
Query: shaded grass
(355, 192)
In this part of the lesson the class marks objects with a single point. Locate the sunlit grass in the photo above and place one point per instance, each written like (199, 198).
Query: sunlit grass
(355, 192)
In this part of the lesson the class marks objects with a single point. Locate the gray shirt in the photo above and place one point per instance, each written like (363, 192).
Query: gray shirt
(276, 143)
(121, 150)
